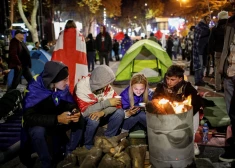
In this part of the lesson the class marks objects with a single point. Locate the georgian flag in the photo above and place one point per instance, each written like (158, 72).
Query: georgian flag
(70, 49)
(85, 98)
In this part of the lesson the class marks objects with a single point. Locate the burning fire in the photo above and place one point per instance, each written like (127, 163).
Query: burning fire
(164, 106)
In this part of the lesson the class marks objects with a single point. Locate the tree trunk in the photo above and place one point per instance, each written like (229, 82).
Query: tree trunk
(33, 26)
(12, 12)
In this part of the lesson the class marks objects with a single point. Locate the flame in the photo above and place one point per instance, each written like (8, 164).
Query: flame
(163, 101)
(179, 107)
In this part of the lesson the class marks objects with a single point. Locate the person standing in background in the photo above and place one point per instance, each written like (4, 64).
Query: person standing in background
(90, 47)
(169, 45)
(175, 48)
(103, 45)
(19, 59)
(200, 44)
(116, 49)
(189, 48)
(183, 46)
(227, 69)
(216, 43)
(70, 49)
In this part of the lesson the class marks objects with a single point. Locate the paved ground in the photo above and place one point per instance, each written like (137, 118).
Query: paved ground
(208, 153)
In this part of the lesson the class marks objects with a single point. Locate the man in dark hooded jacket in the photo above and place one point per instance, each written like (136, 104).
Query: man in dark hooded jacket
(226, 68)
(103, 45)
(216, 43)
(200, 44)
(49, 109)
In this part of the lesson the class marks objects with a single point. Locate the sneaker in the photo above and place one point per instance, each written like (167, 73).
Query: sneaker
(69, 161)
(227, 157)
(196, 149)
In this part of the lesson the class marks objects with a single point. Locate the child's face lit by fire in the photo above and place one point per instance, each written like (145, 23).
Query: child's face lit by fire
(138, 89)
(172, 81)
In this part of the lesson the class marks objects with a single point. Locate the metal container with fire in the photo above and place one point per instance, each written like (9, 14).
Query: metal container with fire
(170, 134)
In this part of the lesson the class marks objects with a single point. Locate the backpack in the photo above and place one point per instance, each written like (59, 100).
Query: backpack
(10, 102)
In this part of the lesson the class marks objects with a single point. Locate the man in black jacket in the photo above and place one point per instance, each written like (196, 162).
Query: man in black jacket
(49, 110)
(103, 45)
(175, 88)
(216, 43)
(19, 59)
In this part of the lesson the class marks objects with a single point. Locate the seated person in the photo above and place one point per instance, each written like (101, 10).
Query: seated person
(95, 98)
(137, 92)
(175, 88)
(49, 109)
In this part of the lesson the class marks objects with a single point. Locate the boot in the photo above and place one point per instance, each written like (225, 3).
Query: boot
(137, 154)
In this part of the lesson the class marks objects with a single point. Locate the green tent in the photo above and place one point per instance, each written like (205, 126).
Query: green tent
(141, 55)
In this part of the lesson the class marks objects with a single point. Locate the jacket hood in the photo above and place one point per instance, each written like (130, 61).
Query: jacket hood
(101, 77)
(51, 69)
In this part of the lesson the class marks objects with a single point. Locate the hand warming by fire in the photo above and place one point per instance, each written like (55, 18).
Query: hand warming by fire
(164, 106)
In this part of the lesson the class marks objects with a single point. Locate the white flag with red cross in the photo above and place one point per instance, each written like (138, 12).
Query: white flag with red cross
(70, 49)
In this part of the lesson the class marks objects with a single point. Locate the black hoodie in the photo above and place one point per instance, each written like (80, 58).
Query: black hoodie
(51, 69)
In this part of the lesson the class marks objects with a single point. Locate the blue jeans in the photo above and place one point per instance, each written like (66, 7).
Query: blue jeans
(198, 75)
(40, 144)
(133, 120)
(174, 53)
(114, 121)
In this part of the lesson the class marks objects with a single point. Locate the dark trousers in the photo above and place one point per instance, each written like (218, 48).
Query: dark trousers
(25, 71)
(104, 55)
(91, 60)
(116, 55)
(169, 52)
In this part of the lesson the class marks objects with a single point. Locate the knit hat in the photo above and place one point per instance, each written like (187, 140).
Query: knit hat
(101, 77)
(223, 15)
(61, 75)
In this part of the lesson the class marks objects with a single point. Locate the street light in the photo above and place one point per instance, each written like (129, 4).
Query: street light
(145, 10)
(181, 1)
